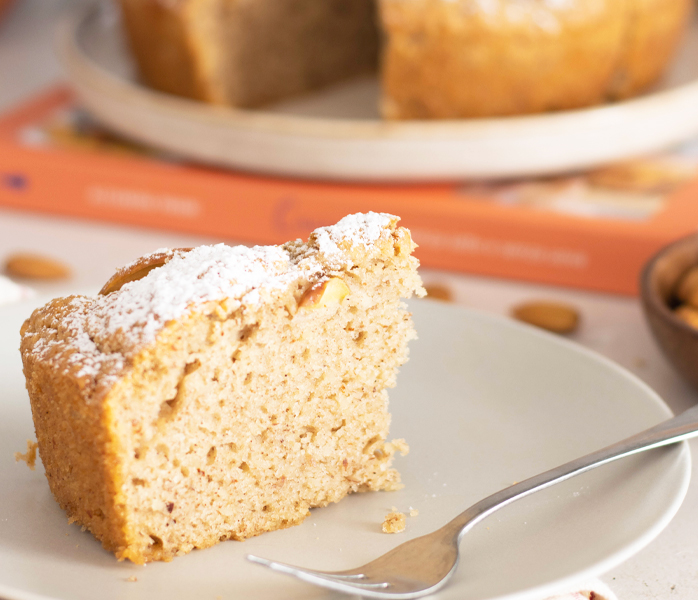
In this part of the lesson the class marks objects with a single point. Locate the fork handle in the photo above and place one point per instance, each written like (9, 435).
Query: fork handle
(674, 430)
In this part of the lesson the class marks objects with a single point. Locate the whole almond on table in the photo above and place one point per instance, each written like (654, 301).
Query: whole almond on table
(552, 316)
(437, 291)
(27, 265)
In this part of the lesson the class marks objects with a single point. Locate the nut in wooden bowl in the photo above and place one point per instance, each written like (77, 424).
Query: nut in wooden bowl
(669, 293)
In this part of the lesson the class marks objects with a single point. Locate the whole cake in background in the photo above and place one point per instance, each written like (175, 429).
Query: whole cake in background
(438, 59)
(220, 392)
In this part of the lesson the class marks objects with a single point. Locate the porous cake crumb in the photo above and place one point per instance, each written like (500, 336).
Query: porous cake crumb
(413, 512)
(29, 456)
(394, 522)
(220, 392)
(399, 445)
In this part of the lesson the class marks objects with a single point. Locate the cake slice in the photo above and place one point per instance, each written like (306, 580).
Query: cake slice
(220, 392)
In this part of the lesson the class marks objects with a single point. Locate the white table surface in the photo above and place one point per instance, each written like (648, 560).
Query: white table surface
(612, 325)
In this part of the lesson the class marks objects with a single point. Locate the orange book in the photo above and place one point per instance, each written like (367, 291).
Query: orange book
(593, 231)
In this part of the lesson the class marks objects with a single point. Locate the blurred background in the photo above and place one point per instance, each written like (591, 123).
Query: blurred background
(542, 172)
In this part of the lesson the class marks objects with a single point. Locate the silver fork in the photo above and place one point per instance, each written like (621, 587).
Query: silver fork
(425, 564)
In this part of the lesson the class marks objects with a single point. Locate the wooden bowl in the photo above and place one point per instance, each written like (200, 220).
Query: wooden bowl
(677, 339)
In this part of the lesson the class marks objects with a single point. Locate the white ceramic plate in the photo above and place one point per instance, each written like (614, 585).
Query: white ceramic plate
(483, 402)
(337, 134)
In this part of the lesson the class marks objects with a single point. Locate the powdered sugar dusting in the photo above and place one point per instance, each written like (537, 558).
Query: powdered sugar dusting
(361, 228)
(207, 273)
(81, 356)
(88, 359)
(158, 252)
(95, 337)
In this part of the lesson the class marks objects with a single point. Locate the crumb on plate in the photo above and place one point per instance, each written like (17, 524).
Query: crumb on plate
(29, 456)
(394, 522)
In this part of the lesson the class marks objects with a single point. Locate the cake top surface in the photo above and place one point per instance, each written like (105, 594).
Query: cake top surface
(246, 275)
(364, 229)
(103, 331)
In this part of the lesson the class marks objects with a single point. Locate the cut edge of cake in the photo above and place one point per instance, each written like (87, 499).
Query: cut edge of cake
(226, 392)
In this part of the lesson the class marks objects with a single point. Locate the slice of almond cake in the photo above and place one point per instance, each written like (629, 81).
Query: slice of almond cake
(220, 392)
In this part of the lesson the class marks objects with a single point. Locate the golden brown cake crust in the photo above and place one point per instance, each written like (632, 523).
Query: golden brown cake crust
(172, 63)
(462, 58)
(440, 58)
(228, 391)
(75, 446)
(245, 53)
(655, 30)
